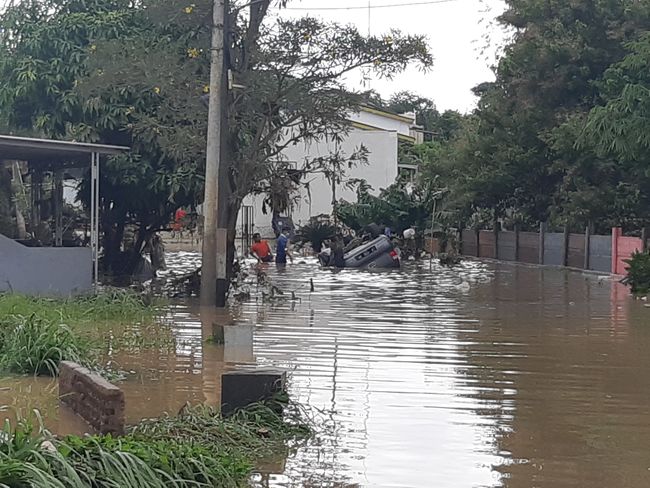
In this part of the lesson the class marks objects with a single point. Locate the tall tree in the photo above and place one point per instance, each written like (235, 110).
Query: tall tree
(546, 75)
(135, 74)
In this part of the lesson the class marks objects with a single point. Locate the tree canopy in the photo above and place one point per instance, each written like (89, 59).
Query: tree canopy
(136, 74)
(559, 135)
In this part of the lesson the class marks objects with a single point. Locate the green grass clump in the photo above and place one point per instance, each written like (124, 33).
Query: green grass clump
(31, 345)
(198, 448)
(36, 334)
(110, 306)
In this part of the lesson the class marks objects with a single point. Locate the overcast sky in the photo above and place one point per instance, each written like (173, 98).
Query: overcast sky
(462, 34)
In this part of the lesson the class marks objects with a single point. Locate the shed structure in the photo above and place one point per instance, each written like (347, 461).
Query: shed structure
(34, 269)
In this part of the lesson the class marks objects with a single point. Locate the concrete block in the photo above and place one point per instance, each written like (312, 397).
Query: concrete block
(240, 389)
(238, 335)
(100, 403)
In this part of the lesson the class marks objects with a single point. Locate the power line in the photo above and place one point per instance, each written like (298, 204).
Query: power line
(408, 4)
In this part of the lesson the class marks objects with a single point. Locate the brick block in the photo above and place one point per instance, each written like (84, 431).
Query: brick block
(98, 402)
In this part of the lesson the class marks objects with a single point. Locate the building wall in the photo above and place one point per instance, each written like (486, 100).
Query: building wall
(380, 172)
(382, 122)
(47, 271)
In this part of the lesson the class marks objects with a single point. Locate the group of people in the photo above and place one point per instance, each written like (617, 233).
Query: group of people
(261, 250)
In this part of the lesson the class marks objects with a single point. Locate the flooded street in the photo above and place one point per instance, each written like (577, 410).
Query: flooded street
(485, 375)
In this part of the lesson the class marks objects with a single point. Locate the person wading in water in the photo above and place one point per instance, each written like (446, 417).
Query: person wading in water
(282, 251)
(261, 250)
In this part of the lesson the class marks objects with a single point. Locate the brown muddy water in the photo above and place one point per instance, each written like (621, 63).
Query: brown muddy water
(485, 375)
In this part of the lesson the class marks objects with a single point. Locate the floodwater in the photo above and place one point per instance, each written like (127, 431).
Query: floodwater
(484, 375)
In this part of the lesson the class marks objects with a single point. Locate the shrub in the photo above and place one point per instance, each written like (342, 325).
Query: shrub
(638, 273)
(316, 233)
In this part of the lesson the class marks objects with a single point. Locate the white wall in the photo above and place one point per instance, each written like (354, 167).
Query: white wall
(382, 122)
(380, 172)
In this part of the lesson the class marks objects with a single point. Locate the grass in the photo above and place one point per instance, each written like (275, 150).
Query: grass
(198, 448)
(36, 334)
(111, 306)
(31, 345)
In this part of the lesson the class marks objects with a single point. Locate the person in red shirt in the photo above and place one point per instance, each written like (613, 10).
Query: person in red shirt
(261, 250)
(179, 221)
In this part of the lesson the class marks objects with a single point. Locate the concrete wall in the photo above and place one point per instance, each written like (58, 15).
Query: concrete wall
(382, 122)
(529, 247)
(507, 246)
(48, 271)
(554, 249)
(576, 257)
(487, 248)
(600, 253)
(380, 172)
(469, 242)
(624, 247)
(600, 248)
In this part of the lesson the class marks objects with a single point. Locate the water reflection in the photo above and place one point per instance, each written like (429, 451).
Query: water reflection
(484, 375)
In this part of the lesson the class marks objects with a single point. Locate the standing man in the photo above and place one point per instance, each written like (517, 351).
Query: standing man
(261, 250)
(283, 247)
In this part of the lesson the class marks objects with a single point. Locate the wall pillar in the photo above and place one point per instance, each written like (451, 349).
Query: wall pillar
(542, 237)
(616, 233)
(587, 263)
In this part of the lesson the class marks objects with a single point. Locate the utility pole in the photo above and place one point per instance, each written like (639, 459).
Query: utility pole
(214, 255)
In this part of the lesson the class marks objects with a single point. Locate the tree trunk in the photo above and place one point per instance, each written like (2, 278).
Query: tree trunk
(114, 223)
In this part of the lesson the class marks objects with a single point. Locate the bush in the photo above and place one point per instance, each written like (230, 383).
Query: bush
(638, 273)
(316, 233)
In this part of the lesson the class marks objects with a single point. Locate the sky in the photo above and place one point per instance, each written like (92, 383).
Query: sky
(463, 37)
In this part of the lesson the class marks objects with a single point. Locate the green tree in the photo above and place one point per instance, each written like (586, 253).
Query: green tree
(122, 73)
(547, 76)
(617, 131)
(289, 90)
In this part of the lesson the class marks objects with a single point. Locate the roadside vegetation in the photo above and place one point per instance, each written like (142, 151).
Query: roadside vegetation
(36, 334)
(198, 448)
(638, 273)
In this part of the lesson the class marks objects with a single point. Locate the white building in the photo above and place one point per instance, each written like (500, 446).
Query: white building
(379, 132)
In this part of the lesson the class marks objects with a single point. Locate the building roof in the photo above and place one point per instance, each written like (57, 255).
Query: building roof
(49, 151)
(384, 113)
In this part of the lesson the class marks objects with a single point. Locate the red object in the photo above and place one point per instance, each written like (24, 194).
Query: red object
(623, 248)
(180, 215)
(178, 219)
(261, 249)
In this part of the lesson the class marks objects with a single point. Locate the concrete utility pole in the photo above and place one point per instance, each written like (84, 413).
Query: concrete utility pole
(214, 240)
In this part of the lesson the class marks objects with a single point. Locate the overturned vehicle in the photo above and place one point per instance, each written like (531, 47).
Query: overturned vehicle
(377, 253)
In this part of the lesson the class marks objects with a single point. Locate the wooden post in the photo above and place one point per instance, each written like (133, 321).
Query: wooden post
(587, 246)
(644, 238)
(516, 242)
(478, 243)
(542, 238)
(565, 246)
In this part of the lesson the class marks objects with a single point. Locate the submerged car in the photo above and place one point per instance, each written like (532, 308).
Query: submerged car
(378, 253)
